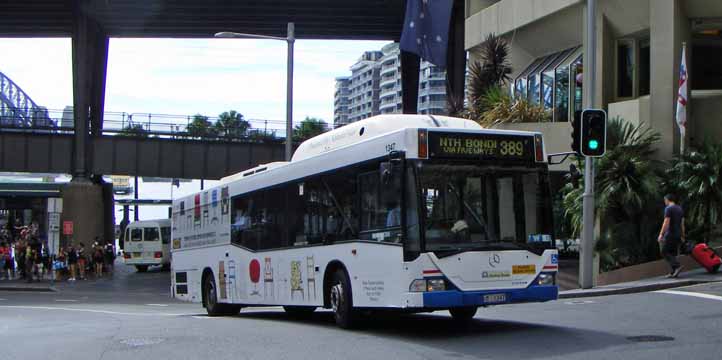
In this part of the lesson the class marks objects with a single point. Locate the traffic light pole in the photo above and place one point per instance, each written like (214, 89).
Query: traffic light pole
(586, 264)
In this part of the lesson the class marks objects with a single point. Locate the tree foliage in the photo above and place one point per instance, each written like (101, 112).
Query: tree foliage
(309, 128)
(200, 126)
(232, 125)
(696, 177)
(134, 130)
(627, 195)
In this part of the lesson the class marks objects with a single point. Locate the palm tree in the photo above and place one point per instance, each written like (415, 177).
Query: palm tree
(309, 128)
(231, 124)
(628, 182)
(201, 127)
(697, 177)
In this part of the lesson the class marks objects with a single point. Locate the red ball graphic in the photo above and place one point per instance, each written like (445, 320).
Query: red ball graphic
(254, 269)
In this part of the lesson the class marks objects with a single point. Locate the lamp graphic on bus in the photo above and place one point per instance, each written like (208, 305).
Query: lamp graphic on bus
(214, 205)
(225, 204)
(254, 272)
(197, 211)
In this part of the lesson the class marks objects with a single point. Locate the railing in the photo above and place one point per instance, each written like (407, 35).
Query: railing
(17, 107)
(157, 125)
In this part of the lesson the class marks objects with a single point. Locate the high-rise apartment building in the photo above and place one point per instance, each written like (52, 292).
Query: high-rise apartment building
(341, 100)
(364, 87)
(381, 94)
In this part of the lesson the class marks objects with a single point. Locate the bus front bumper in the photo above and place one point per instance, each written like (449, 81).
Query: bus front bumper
(456, 298)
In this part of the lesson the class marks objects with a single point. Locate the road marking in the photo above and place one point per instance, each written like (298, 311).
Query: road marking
(108, 312)
(693, 294)
(580, 302)
(156, 304)
(66, 300)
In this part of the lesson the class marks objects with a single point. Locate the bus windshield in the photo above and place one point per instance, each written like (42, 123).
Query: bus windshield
(468, 207)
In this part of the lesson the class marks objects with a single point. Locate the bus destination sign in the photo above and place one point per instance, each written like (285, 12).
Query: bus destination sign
(443, 145)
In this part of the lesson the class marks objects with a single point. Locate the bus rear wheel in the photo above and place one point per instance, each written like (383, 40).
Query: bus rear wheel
(141, 268)
(341, 302)
(463, 313)
(213, 308)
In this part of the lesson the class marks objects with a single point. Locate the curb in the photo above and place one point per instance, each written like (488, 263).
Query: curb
(631, 290)
(28, 288)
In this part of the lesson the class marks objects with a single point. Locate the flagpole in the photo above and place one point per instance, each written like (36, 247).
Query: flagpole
(682, 99)
(683, 133)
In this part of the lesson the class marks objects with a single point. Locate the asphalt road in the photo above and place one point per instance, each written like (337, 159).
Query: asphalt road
(131, 317)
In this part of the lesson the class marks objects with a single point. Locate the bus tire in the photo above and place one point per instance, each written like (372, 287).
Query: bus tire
(341, 300)
(141, 268)
(213, 308)
(463, 313)
(299, 310)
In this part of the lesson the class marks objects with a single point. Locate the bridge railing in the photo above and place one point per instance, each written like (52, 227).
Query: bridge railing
(154, 125)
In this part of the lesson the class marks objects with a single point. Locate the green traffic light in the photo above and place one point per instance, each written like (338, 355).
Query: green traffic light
(593, 144)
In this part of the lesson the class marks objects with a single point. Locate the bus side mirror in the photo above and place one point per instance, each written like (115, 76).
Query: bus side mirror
(386, 171)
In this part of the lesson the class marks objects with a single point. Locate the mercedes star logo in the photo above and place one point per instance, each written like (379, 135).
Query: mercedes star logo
(494, 260)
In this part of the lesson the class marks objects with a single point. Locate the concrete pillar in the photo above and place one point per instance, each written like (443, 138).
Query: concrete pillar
(410, 64)
(669, 27)
(83, 204)
(456, 54)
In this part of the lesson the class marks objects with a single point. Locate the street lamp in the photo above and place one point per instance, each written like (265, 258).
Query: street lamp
(289, 39)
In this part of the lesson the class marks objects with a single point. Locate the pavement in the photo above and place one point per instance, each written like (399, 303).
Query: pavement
(694, 277)
(132, 315)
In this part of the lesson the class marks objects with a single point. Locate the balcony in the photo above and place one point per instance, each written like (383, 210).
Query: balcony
(388, 69)
(432, 105)
(433, 90)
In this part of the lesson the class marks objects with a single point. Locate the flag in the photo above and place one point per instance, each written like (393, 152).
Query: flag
(682, 94)
(426, 29)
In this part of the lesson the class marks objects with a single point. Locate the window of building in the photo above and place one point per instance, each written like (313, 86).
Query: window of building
(546, 82)
(707, 60)
(625, 69)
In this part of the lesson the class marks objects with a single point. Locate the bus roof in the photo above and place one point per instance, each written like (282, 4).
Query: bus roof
(374, 126)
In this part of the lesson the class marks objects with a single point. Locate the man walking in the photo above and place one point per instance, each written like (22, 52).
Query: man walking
(672, 233)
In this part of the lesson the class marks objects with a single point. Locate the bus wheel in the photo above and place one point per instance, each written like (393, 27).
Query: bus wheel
(212, 306)
(141, 268)
(463, 313)
(299, 310)
(341, 303)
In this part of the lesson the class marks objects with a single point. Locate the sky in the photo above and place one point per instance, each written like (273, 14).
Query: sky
(189, 76)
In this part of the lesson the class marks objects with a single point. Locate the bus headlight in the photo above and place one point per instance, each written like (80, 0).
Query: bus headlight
(435, 285)
(422, 285)
(546, 279)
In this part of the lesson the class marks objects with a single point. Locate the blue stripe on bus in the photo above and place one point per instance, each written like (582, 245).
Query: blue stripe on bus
(454, 298)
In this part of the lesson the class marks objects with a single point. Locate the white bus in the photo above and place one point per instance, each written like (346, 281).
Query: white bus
(403, 212)
(147, 243)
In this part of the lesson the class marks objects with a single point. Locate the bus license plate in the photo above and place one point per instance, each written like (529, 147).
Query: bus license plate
(494, 298)
(137, 254)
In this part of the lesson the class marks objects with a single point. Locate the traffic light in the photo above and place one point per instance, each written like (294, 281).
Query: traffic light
(577, 132)
(594, 132)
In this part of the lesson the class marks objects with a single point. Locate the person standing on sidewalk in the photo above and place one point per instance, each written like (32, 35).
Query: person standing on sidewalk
(72, 257)
(82, 261)
(672, 235)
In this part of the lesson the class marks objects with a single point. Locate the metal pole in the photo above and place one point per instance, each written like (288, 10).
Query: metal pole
(135, 208)
(289, 93)
(587, 256)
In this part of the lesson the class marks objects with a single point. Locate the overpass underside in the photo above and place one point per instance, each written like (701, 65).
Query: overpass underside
(126, 155)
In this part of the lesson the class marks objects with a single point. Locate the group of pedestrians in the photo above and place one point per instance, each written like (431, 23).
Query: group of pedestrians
(22, 255)
(76, 263)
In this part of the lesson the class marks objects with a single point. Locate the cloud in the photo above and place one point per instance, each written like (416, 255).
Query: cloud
(188, 76)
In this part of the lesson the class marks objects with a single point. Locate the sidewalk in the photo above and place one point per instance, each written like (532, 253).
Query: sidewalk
(693, 277)
(22, 285)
